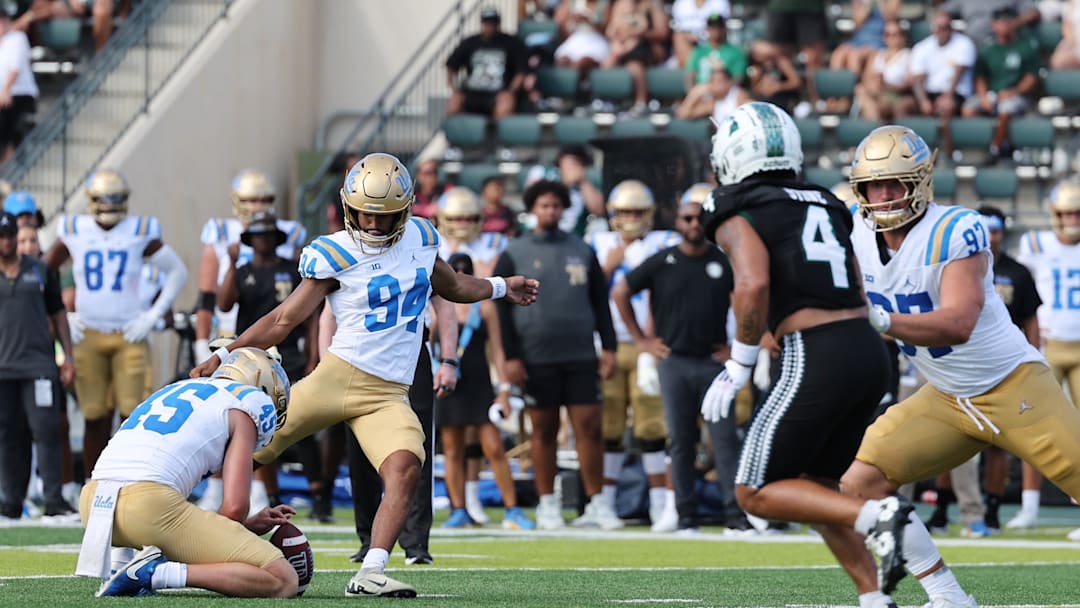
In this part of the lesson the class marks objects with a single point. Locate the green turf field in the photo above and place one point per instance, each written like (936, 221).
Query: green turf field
(490, 567)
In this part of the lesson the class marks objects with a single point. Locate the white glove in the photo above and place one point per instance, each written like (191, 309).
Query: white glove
(879, 318)
(76, 327)
(718, 399)
(141, 326)
(648, 378)
(763, 370)
(202, 350)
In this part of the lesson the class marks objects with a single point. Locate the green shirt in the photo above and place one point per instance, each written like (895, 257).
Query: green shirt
(700, 62)
(790, 6)
(1004, 65)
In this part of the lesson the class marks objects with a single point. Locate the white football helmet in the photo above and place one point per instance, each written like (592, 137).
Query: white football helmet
(255, 367)
(757, 137)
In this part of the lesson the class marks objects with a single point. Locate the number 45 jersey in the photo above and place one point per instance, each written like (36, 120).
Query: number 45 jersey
(178, 435)
(107, 265)
(381, 302)
(910, 283)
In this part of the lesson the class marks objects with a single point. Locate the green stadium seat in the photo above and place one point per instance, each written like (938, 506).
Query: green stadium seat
(465, 130)
(918, 30)
(694, 130)
(996, 182)
(611, 84)
(835, 83)
(472, 176)
(826, 178)
(972, 133)
(60, 33)
(633, 127)
(811, 133)
(927, 128)
(851, 131)
(528, 27)
(1064, 84)
(1048, 33)
(1032, 132)
(518, 130)
(595, 175)
(944, 184)
(665, 84)
(557, 82)
(574, 130)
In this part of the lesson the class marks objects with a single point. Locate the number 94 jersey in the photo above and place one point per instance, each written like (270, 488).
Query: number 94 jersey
(382, 298)
(107, 266)
(910, 283)
(178, 435)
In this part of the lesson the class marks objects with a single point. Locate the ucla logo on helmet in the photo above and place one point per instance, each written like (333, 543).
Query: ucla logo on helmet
(404, 181)
(916, 146)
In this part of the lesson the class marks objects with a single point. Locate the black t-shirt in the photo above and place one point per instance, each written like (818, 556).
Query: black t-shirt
(260, 291)
(807, 232)
(1014, 284)
(26, 303)
(689, 298)
(491, 64)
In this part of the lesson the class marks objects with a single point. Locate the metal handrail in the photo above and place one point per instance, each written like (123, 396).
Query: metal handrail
(54, 129)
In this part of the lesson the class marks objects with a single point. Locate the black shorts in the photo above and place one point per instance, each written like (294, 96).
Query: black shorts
(555, 384)
(831, 379)
(479, 103)
(13, 126)
(796, 27)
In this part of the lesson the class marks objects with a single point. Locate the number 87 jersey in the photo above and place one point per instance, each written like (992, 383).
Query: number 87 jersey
(107, 266)
(910, 283)
(381, 303)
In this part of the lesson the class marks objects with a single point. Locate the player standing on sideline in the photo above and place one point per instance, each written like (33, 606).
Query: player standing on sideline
(138, 495)
(928, 277)
(378, 274)
(795, 273)
(1053, 256)
(107, 248)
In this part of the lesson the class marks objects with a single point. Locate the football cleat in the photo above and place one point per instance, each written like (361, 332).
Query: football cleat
(135, 578)
(549, 516)
(941, 602)
(515, 519)
(1074, 535)
(1023, 519)
(459, 518)
(423, 558)
(886, 541)
(374, 583)
(598, 514)
(976, 529)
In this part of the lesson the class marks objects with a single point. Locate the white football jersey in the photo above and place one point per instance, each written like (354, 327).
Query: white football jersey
(381, 304)
(219, 233)
(178, 435)
(1055, 266)
(107, 266)
(636, 253)
(484, 249)
(911, 283)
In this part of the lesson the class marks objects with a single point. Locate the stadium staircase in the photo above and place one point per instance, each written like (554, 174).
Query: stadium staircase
(115, 88)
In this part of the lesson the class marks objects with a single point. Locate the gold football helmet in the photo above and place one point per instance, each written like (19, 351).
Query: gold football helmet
(381, 185)
(255, 367)
(631, 206)
(1065, 198)
(107, 193)
(461, 215)
(251, 191)
(696, 194)
(844, 192)
(894, 152)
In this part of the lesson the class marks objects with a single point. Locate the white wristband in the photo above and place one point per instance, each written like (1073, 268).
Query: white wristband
(498, 287)
(744, 354)
(221, 354)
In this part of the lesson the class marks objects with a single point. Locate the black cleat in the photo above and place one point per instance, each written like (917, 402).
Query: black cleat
(886, 541)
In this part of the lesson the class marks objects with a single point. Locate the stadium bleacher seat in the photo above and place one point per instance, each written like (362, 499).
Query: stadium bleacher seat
(611, 84)
(528, 27)
(851, 131)
(944, 184)
(918, 30)
(1064, 84)
(574, 130)
(1048, 33)
(557, 82)
(666, 85)
(60, 34)
(518, 130)
(465, 130)
(996, 183)
(472, 176)
(694, 130)
(633, 127)
(972, 133)
(835, 83)
(1031, 132)
(928, 128)
(811, 133)
(821, 176)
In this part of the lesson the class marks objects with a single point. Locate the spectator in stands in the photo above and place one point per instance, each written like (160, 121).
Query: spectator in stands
(100, 11)
(18, 88)
(629, 43)
(428, 189)
(772, 75)
(21, 204)
(497, 216)
(885, 90)
(585, 199)
(1006, 76)
(717, 99)
(584, 46)
(978, 16)
(799, 26)
(715, 48)
(868, 38)
(942, 68)
(1067, 54)
(495, 70)
(689, 22)
(550, 350)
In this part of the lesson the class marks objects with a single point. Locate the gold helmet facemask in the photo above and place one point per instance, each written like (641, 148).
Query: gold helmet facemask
(630, 208)
(107, 194)
(460, 214)
(887, 153)
(1065, 198)
(378, 184)
(251, 192)
(255, 367)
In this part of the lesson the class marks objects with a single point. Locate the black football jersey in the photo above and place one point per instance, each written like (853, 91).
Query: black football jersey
(807, 231)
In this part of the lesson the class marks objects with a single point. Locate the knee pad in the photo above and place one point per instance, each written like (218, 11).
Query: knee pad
(473, 450)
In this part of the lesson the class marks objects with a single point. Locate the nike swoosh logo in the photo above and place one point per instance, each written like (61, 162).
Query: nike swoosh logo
(380, 585)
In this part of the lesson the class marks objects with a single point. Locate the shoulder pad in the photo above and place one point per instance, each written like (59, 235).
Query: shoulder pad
(957, 233)
(325, 258)
(429, 236)
(214, 232)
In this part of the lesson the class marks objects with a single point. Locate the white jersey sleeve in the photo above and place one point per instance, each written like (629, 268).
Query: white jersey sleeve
(214, 232)
(327, 257)
(1055, 267)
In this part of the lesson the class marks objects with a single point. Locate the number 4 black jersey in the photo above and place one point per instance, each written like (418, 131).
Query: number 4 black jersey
(807, 232)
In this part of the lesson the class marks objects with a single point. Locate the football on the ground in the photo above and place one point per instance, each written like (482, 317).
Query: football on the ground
(296, 548)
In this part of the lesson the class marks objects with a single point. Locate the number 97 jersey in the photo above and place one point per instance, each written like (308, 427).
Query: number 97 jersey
(910, 283)
(382, 298)
(107, 266)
